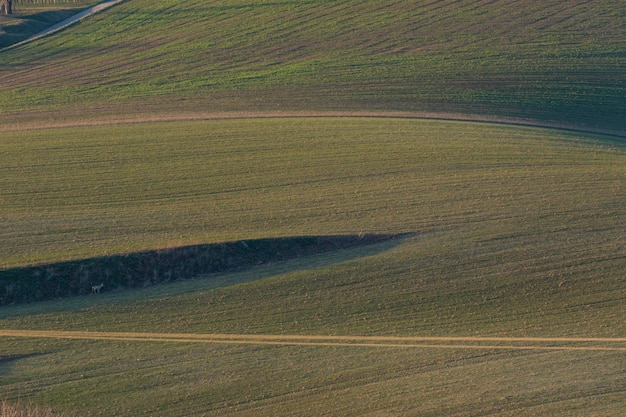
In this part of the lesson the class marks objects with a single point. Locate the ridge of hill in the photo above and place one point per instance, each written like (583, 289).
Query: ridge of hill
(551, 62)
(510, 234)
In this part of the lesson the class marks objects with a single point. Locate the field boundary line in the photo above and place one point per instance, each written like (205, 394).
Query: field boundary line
(66, 23)
(204, 116)
(438, 342)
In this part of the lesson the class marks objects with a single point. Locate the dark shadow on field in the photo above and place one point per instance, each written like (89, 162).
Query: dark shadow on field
(7, 360)
(141, 269)
(17, 357)
(20, 27)
(7, 366)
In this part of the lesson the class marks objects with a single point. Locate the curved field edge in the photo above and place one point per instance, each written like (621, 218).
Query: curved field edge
(125, 188)
(99, 120)
(58, 21)
(31, 18)
(552, 63)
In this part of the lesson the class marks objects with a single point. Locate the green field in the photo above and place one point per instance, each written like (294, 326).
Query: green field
(502, 295)
(555, 62)
(518, 232)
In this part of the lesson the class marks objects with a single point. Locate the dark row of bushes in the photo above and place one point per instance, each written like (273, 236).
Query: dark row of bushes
(64, 279)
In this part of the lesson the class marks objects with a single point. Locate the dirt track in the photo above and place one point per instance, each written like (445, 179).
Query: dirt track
(67, 22)
(504, 343)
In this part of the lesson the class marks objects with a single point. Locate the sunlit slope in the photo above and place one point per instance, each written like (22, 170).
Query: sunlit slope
(89, 191)
(515, 232)
(554, 61)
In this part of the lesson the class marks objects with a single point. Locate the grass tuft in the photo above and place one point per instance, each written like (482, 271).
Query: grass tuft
(20, 410)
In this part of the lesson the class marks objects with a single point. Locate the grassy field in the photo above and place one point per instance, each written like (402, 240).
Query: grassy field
(84, 192)
(139, 129)
(197, 379)
(518, 233)
(551, 62)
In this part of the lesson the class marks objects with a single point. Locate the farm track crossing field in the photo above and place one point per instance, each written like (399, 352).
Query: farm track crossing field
(162, 125)
(65, 22)
(516, 233)
(197, 379)
(519, 343)
(31, 17)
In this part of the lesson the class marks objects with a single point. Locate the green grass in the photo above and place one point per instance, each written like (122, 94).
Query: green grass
(519, 233)
(84, 192)
(196, 380)
(547, 62)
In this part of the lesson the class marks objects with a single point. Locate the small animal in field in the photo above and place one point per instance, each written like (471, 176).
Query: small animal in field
(6, 7)
(96, 289)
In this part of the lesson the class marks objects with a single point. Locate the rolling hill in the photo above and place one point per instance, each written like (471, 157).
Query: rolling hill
(549, 62)
(160, 126)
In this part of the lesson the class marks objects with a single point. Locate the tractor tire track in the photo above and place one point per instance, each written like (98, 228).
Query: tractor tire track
(433, 342)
